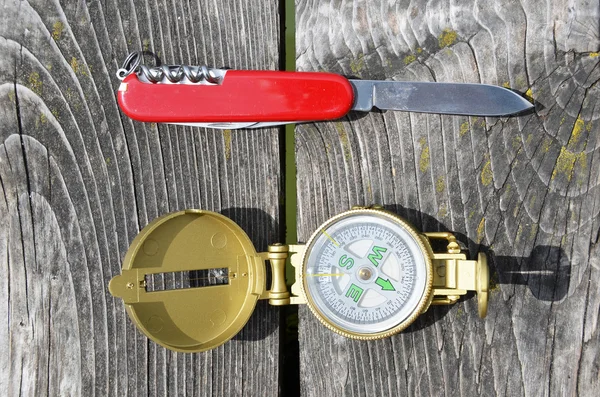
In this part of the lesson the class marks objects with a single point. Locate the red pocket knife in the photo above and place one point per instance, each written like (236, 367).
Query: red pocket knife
(220, 98)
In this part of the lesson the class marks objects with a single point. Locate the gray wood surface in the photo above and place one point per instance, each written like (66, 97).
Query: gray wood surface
(526, 190)
(79, 180)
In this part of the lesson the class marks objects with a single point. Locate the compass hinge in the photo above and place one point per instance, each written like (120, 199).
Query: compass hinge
(277, 255)
(278, 294)
(453, 272)
(454, 275)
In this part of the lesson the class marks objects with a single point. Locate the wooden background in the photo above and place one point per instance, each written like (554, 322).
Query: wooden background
(79, 180)
(525, 190)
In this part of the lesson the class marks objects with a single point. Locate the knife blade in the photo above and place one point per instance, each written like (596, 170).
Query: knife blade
(248, 99)
(444, 98)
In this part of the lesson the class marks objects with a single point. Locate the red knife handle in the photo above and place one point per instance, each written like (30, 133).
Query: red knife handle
(243, 96)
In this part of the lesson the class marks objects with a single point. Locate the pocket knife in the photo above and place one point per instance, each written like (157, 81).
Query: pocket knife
(221, 98)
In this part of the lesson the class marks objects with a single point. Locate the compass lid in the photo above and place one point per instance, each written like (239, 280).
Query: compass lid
(190, 280)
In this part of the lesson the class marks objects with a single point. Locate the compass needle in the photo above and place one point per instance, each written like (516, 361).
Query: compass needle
(385, 285)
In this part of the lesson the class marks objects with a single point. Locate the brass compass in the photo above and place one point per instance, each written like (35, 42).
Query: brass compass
(191, 279)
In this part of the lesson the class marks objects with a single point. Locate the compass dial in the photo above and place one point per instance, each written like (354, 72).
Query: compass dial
(366, 272)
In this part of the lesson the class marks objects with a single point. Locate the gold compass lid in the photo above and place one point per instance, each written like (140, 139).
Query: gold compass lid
(190, 280)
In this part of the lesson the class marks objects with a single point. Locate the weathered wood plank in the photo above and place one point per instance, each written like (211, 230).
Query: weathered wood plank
(79, 180)
(526, 190)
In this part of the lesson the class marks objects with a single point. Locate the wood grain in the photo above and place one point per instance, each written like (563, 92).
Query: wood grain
(526, 190)
(79, 180)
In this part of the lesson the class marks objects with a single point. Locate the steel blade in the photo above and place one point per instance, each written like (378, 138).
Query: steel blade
(444, 98)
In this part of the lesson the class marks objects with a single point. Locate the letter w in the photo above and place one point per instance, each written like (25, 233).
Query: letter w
(376, 256)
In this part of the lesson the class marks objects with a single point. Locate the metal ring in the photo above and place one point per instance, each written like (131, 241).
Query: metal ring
(122, 73)
(130, 64)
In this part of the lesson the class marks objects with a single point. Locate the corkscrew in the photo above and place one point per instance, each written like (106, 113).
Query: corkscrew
(165, 74)
(229, 99)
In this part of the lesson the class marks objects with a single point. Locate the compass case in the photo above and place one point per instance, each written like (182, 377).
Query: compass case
(190, 280)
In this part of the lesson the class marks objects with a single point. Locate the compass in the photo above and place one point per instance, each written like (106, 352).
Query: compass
(191, 279)
(366, 273)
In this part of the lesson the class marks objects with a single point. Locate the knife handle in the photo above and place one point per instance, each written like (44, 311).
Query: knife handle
(241, 96)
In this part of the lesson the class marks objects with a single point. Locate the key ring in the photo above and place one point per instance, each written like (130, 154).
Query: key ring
(130, 65)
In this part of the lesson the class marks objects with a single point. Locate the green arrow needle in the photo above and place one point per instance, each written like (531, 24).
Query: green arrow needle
(385, 285)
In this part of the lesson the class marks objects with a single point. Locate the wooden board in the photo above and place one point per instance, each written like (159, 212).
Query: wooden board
(525, 190)
(79, 180)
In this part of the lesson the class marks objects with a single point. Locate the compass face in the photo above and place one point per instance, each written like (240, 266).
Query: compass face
(366, 272)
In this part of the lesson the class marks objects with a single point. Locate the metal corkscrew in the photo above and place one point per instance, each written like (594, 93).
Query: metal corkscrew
(174, 74)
